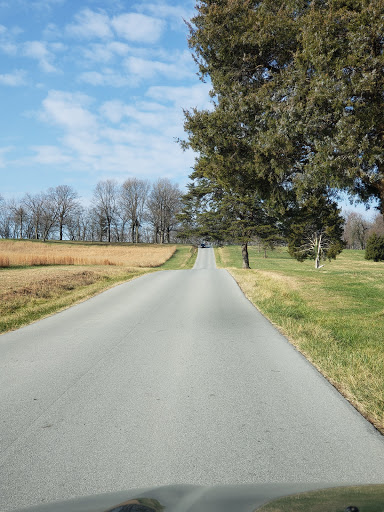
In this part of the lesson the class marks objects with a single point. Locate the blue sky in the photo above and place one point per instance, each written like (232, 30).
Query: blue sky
(94, 89)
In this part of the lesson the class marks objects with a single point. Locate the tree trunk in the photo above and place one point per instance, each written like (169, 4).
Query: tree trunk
(137, 224)
(244, 252)
(61, 222)
(318, 253)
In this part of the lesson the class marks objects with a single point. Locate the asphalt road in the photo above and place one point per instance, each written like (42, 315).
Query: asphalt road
(171, 378)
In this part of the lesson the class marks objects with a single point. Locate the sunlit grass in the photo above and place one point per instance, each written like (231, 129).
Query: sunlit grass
(334, 315)
(27, 253)
(183, 258)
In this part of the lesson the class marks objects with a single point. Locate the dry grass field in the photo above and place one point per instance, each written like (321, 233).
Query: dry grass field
(26, 253)
(38, 279)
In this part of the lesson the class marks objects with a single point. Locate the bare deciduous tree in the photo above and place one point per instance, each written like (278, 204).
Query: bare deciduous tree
(163, 205)
(132, 202)
(5, 219)
(104, 201)
(356, 230)
(33, 203)
(377, 226)
(19, 218)
(64, 201)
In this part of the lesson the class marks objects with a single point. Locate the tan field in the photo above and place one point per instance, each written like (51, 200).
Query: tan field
(25, 253)
(38, 279)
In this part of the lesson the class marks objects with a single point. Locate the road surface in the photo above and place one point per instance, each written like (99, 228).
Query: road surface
(171, 378)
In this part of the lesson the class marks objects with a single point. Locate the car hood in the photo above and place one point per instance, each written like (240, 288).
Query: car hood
(224, 498)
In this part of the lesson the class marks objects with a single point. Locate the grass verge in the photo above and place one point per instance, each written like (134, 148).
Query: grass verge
(334, 316)
(183, 258)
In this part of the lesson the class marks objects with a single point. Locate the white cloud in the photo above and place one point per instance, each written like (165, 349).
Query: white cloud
(175, 14)
(107, 78)
(116, 110)
(117, 137)
(130, 26)
(183, 97)
(8, 48)
(145, 68)
(90, 24)
(3, 152)
(70, 111)
(138, 27)
(46, 4)
(33, 4)
(51, 31)
(139, 69)
(14, 79)
(38, 50)
(113, 110)
(50, 155)
(105, 52)
(7, 45)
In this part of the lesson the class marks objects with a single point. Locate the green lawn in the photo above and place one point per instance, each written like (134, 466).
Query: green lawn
(184, 258)
(334, 315)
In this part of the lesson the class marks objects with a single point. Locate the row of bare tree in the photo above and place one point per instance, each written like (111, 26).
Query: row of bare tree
(136, 211)
(358, 229)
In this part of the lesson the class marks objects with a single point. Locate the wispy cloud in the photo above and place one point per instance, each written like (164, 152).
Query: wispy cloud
(134, 69)
(135, 27)
(174, 14)
(39, 51)
(138, 27)
(49, 155)
(44, 4)
(117, 137)
(7, 43)
(182, 97)
(8, 48)
(69, 110)
(108, 78)
(178, 68)
(15, 79)
(106, 52)
(3, 152)
(32, 4)
(90, 24)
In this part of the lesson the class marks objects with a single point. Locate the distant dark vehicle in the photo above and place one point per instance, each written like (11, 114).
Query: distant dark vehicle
(202, 246)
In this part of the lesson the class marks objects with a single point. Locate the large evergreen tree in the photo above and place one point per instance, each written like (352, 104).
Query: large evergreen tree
(298, 101)
(217, 214)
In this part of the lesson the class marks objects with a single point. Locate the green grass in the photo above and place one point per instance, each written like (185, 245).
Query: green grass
(334, 316)
(184, 258)
(368, 498)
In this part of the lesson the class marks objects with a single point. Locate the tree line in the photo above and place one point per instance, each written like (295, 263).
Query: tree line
(135, 211)
(358, 229)
(297, 90)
